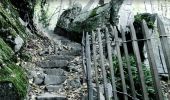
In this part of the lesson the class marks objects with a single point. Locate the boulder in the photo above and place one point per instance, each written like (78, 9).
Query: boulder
(18, 43)
(73, 27)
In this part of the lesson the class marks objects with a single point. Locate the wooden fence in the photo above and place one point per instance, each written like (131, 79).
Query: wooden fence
(93, 44)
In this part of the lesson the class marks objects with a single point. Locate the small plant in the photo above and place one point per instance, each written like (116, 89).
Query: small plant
(147, 75)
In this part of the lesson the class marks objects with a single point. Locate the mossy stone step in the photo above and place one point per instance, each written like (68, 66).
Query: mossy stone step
(55, 71)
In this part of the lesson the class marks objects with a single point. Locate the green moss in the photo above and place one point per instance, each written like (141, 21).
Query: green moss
(5, 51)
(15, 74)
(93, 13)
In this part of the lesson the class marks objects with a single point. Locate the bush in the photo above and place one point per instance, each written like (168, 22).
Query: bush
(147, 74)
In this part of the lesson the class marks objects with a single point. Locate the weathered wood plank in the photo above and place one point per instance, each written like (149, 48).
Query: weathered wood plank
(111, 64)
(164, 43)
(152, 62)
(132, 87)
(95, 65)
(139, 63)
(114, 31)
(102, 64)
(89, 75)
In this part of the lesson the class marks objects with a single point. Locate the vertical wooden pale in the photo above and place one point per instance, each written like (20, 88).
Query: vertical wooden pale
(164, 43)
(83, 58)
(139, 63)
(120, 62)
(132, 87)
(102, 64)
(152, 62)
(111, 65)
(89, 75)
(95, 65)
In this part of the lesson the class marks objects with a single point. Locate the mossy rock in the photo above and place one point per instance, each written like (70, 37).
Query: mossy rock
(8, 91)
(9, 19)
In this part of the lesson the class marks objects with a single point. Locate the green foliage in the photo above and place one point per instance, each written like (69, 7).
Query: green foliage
(149, 18)
(147, 75)
(43, 18)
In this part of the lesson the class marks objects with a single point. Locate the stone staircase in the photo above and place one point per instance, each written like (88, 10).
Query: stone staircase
(56, 71)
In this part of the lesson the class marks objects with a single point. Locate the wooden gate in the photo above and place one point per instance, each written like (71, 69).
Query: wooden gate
(94, 60)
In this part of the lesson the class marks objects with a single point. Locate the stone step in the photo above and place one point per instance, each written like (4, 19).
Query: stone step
(53, 64)
(57, 72)
(70, 53)
(75, 46)
(47, 96)
(59, 57)
(53, 88)
(54, 80)
(65, 42)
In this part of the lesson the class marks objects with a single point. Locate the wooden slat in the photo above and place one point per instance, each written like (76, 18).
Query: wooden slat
(114, 31)
(139, 63)
(152, 62)
(164, 43)
(89, 75)
(95, 65)
(83, 55)
(111, 65)
(102, 64)
(132, 87)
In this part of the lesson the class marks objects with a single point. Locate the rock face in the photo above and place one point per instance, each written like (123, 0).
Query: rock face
(73, 22)
(12, 37)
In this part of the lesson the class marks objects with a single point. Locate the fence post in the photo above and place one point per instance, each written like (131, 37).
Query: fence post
(114, 31)
(88, 62)
(102, 64)
(111, 64)
(152, 62)
(83, 61)
(139, 63)
(128, 63)
(164, 43)
(95, 64)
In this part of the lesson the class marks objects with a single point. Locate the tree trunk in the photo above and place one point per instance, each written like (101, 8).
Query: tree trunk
(115, 6)
(26, 11)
